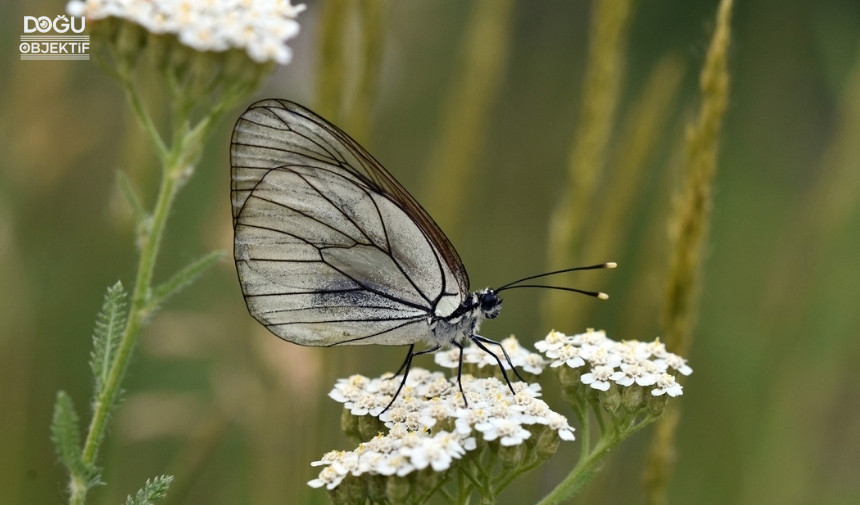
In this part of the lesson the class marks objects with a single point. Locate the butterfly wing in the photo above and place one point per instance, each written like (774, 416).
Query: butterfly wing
(329, 248)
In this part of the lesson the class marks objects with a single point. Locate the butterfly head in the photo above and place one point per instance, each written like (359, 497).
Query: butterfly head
(489, 303)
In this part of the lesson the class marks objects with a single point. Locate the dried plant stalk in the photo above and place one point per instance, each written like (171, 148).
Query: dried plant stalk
(689, 226)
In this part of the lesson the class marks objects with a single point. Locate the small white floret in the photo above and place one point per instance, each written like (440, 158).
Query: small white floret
(598, 378)
(666, 384)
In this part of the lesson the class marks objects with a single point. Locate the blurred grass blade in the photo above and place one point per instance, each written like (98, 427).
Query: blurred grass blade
(373, 14)
(154, 490)
(642, 131)
(110, 322)
(330, 67)
(182, 279)
(610, 22)
(690, 221)
(643, 300)
(825, 213)
(689, 227)
(66, 436)
(470, 98)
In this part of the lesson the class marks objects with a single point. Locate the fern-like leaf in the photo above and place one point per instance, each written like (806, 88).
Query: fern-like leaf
(154, 489)
(65, 433)
(66, 436)
(110, 322)
(182, 278)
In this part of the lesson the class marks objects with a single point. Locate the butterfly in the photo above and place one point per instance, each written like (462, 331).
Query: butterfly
(331, 250)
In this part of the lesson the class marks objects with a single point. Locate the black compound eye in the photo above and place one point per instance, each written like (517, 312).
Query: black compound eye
(489, 301)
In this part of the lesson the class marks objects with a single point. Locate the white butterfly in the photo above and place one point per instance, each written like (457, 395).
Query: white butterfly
(331, 250)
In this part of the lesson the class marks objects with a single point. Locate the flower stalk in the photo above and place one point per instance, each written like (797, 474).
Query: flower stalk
(199, 85)
(177, 165)
(140, 306)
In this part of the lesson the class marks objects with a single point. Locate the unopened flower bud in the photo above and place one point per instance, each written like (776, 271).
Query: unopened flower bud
(351, 490)
(397, 489)
(570, 377)
(631, 398)
(512, 456)
(656, 404)
(611, 399)
(377, 488)
(349, 423)
(546, 442)
(369, 427)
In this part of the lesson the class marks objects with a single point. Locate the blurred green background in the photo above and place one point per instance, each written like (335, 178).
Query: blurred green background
(771, 414)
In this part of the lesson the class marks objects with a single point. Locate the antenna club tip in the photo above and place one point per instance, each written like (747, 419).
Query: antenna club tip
(611, 264)
(603, 296)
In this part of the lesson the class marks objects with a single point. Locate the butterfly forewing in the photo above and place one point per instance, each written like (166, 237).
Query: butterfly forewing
(329, 248)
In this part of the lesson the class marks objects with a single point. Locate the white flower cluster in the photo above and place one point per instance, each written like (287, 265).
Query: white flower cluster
(400, 452)
(624, 363)
(260, 27)
(521, 357)
(428, 424)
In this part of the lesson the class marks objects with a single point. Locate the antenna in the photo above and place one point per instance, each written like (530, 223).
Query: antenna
(596, 294)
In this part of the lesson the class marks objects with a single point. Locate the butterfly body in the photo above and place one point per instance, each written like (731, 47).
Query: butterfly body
(466, 319)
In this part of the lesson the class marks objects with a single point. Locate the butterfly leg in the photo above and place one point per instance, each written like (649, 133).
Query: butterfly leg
(480, 341)
(460, 372)
(405, 367)
(405, 361)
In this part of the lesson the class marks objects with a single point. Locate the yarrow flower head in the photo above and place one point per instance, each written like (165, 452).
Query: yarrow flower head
(415, 430)
(473, 355)
(259, 27)
(597, 362)
(430, 430)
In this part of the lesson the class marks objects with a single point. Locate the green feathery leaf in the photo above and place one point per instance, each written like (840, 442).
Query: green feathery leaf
(65, 433)
(109, 326)
(154, 489)
(66, 436)
(182, 278)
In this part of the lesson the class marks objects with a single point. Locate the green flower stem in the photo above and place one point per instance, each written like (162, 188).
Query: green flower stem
(175, 162)
(488, 499)
(585, 432)
(134, 98)
(148, 253)
(461, 497)
(465, 488)
(502, 483)
(590, 458)
(584, 470)
(598, 414)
